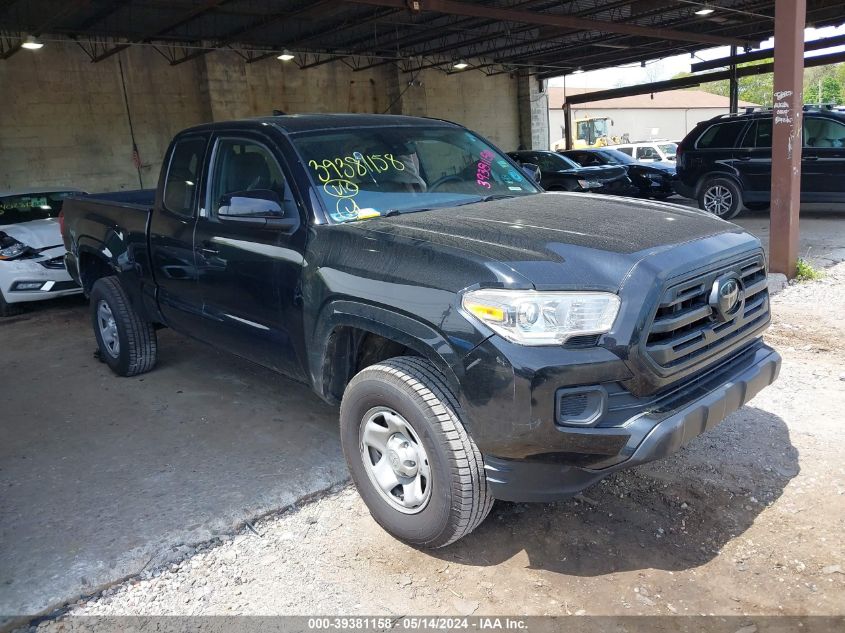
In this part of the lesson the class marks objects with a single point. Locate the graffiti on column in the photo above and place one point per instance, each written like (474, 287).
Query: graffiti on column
(782, 115)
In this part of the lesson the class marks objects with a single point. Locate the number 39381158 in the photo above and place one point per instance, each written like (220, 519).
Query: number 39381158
(482, 172)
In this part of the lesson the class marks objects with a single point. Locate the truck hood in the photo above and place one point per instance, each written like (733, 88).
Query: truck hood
(36, 234)
(558, 240)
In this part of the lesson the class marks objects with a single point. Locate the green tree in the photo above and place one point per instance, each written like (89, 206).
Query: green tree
(831, 90)
(754, 88)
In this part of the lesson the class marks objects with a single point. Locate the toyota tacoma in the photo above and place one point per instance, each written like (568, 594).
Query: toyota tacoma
(484, 339)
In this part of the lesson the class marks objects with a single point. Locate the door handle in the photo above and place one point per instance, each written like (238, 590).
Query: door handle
(744, 157)
(810, 158)
(209, 251)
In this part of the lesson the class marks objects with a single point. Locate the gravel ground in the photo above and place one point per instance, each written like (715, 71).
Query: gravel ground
(747, 520)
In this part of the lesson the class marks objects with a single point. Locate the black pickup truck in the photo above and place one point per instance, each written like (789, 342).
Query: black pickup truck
(485, 340)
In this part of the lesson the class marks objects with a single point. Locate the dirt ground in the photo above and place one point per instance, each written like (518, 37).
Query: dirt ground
(747, 520)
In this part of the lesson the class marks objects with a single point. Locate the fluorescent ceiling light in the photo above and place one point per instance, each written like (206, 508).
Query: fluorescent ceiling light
(577, 71)
(460, 65)
(32, 43)
(286, 56)
(705, 11)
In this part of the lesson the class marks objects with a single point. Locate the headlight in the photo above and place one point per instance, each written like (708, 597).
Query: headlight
(11, 248)
(529, 317)
(589, 184)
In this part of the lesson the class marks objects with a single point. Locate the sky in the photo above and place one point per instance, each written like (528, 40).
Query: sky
(668, 67)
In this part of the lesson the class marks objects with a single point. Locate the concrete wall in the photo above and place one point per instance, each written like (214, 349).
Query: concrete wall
(63, 121)
(639, 123)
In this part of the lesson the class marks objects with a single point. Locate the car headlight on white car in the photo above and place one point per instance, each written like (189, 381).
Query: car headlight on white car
(10, 248)
(529, 317)
(589, 184)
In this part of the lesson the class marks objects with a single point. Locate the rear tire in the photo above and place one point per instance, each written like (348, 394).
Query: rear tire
(440, 492)
(127, 343)
(721, 197)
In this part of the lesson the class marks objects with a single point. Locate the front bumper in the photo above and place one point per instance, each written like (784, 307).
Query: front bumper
(27, 280)
(651, 435)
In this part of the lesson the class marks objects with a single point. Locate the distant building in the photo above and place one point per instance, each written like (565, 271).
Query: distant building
(661, 115)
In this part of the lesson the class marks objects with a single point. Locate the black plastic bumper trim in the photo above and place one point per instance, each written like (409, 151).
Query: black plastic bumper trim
(518, 480)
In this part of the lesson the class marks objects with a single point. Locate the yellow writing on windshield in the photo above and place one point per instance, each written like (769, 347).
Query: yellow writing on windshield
(356, 165)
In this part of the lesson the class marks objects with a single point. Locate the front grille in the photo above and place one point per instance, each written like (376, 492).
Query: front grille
(685, 329)
(56, 263)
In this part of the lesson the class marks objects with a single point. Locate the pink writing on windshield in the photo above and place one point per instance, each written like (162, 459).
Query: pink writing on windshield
(482, 172)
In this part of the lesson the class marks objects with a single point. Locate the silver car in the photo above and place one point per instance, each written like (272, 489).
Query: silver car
(32, 266)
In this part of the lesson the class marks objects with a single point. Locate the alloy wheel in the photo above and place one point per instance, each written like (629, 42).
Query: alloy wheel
(718, 200)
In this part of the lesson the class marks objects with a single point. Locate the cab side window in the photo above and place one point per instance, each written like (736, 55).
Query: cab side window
(647, 153)
(626, 150)
(183, 173)
(248, 169)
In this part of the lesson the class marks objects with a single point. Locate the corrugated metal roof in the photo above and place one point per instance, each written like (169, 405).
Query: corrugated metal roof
(498, 36)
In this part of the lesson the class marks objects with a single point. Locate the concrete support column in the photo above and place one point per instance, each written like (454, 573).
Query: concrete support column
(533, 104)
(786, 136)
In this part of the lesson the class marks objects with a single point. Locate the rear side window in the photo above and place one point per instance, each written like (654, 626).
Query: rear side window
(721, 135)
(759, 135)
(626, 150)
(820, 132)
(180, 188)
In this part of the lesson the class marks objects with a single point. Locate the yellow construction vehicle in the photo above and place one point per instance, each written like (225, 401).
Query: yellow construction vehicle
(590, 132)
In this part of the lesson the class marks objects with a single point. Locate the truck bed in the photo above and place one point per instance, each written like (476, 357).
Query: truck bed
(112, 228)
(139, 198)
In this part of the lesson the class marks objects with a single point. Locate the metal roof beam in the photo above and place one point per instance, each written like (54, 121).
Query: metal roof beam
(452, 7)
(263, 22)
(68, 9)
(194, 13)
(768, 53)
(696, 80)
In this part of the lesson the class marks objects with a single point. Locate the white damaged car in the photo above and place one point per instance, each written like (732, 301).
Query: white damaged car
(32, 255)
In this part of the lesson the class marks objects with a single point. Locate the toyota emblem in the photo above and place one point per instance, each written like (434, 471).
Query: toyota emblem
(726, 297)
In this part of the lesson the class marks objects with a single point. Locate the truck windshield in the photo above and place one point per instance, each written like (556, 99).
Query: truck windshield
(366, 172)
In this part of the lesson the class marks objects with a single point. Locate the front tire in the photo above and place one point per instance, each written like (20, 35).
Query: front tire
(419, 473)
(9, 309)
(127, 343)
(721, 197)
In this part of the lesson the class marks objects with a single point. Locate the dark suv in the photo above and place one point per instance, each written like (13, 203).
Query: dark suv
(726, 163)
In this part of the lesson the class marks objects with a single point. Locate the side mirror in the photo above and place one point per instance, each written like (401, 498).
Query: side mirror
(258, 203)
(532, 171)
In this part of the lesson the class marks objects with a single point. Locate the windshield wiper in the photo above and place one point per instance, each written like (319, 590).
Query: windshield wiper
(497, 196)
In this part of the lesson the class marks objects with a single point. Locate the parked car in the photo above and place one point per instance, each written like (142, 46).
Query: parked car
(484, 340)
(651, 181)
(559, 173)
(726, 162)
(649, 151)
(32, 266)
